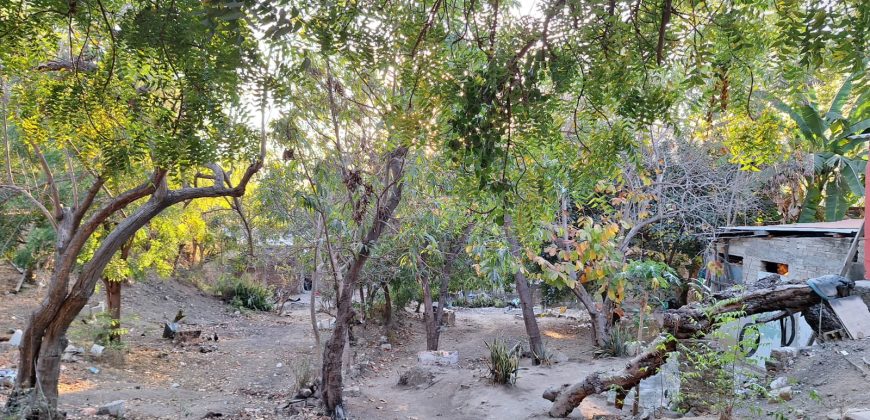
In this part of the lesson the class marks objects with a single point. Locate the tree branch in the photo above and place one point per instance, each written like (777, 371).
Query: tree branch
(40, 206)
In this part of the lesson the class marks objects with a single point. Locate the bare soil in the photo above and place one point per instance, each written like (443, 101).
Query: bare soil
(250, 372)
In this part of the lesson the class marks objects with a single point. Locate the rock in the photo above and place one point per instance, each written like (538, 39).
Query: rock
(352, 391)
(73, 349)
(15, 340)
(416, 376)
(438, 357)
(386, 347)
(778, 383)
(89, 412)
(857, 414)
(7, 378)
(94, 370)
(781, 358)
(114, 409)
(781, 394)
(305, 392)
(207, 349)
(383, 340)
(97, 350)
(279, 365)
(176, 385)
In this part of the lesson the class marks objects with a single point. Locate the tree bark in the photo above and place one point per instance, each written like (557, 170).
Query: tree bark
(388, 305)
(691, 321)
(536, 345)
(113, 301)
(315, 279)
(600, 324)
(428, 316)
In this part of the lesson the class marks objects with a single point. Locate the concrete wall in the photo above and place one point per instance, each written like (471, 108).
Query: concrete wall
(807, 257)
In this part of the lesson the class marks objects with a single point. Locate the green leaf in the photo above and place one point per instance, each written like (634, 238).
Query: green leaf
(835, 201)
(840, 99)
(811, 204)
(795, 116)
(851, 172)
(813, 120)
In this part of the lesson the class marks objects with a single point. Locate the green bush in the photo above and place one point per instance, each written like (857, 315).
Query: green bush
(498, 303)
(99, 329)
(617, 346)
(503, 362)
(243, 292)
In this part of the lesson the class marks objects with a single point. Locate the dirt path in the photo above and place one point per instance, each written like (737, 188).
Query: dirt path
(465, 392)
(249, 373)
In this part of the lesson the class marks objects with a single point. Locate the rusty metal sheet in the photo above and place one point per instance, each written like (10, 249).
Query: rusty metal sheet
(853, 314)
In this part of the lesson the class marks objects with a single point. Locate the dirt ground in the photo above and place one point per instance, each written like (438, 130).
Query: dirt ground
(249, 370)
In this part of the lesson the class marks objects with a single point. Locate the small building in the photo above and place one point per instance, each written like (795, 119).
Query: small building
(799, 251)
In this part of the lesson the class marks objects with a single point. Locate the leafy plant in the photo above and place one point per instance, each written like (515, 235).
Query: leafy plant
(712, 376)
(243, 292)
(101, 329)
(837, 141)
(503, 362)
(617, 343)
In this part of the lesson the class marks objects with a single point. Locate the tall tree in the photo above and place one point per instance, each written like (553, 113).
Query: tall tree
(133, 95)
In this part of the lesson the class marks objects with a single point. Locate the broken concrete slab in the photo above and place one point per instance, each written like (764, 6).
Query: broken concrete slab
(853, 314)
(857, 414)
(438, 357)
(778, 383)
(97, 350)
(114, 409)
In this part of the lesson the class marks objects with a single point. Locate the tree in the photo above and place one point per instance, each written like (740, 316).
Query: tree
(134, 98)
(836, 141)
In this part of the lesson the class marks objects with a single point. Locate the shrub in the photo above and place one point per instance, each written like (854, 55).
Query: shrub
(617, 346)
(100, 329)
(503, 362)
(243, 292)
(498, 303)
(303, 373)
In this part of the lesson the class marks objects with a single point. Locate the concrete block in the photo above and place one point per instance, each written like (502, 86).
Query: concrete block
(438, 357)
(113, 409)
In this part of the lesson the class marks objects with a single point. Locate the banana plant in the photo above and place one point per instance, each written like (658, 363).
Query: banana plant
(839, 157)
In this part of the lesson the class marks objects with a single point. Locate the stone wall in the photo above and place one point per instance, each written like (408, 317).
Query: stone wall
(807, 257)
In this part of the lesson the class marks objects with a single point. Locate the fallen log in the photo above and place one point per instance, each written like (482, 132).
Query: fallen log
(691, 321)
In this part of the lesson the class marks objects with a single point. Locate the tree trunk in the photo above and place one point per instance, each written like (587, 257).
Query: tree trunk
(315, 279)
(601, 323)
(388, 305)
(535, 344)
(362, 303)
(449, 262)
(428, 315)
(689, 321)
(113, 301)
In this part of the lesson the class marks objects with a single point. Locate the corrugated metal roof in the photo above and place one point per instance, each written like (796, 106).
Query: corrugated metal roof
(842, 226)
